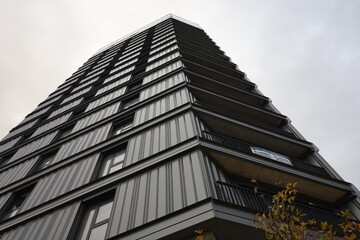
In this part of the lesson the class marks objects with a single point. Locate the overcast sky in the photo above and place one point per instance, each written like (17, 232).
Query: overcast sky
(304, 55)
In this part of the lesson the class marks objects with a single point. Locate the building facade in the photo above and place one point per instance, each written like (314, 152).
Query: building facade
(155, 136)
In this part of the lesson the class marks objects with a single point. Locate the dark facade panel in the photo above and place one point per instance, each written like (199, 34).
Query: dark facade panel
(19, 130)
(34, 115)
(161, 72)
(160, 137)
(51, 124)
(61, 182)
(65, 107)
(48, 102)
(55, 225)
(96, 116)
(33, 146)
(161, 106)
(162, 85)
(82, 142)
(9, 144)
(105, 99)
(17, 172)
(3, 199)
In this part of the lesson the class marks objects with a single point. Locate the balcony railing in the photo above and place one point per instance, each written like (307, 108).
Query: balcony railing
(259, 202)
(244, 147)
(243, 119)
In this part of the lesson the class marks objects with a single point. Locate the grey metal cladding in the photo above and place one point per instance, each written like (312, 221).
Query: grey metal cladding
(105, 99)
(161, 72)
(160, 137)
(17, 172)
(47, 102)
(34, 115)
(61, 182)
(74, 95)
(4, 198)
(162, 85)
(57, 92)
(65, 107)
(51, 124)
(19, 130)
(82, 142)
(52, 226)
(84, 84)
(162, 61)
(96, 116)
(9, 144)
(113, 84)
(161, 106)
(160, 191)
(33, 146)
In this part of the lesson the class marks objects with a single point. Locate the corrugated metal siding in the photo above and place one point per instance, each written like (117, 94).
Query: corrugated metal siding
(162, 71)
(162, 86)
(82, 142)
(75, 95)
(65, 107)
(34, 115)
(85, 84)
(161, 106)
(17, 172)
(96, 116)
(112, 85)
(124, 65)
(33, 146)
(3, 199)
(57, 92)
(51, 124)
(61, 182)
(105, 99)
(55, 226)
(160, 138)
(162, 61)
(160, 191)
(162, 53)
(9, 144)
(163, 46)
(19, 130)
(47, 103)
(125, 58)
(162, 39)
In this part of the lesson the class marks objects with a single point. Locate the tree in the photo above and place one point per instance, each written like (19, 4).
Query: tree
(284, 221)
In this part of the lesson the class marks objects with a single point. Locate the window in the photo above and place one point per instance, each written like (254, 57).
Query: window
(133, 86)
(16, 201)
(95, 221)
(65, 132)
(45, 161)
(112, 161)
(130, 101)
(123, 126)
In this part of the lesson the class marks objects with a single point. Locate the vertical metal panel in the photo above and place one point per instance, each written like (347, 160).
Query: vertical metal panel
(83, 142)
(61, 182)
(19, 130)
(55, 226)
(96, 116)
(17, 172)
(57, 92)
(65, 107)
(161, 106)
(105, 99)
(4, 198)
(160, 137)
(33, 146)
(162, 53)
(9, 144)
(75, 95)
(84, 84)
(34, 115)
(162, 85)
(51, 124)
(113, 85)
(162, 72)
(160, 191)
(162, 61)
(162, 46)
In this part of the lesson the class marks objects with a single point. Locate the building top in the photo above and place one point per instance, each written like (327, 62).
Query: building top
(146, 27)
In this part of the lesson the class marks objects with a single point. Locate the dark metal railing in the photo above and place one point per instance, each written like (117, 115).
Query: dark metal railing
(259, 202)
(243, 119)
(244, 147)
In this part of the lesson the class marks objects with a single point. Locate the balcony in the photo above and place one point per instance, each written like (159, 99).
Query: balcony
(247, 198)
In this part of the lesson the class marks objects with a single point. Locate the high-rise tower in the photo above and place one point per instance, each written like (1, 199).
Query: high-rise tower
(155, 136)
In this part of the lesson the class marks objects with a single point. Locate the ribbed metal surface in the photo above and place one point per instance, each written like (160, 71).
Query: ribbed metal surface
(162, 53)
(124, 65)
(162, 61)
(17, 172)
(163, 39)
(112, 85)
(75, 95)
(105, 99)
(55, 226)
(33, 146)
(65, 107)
(57, 92)
(161, 106)
(160, 138)
(61, 182)
(51, 124)
(82, 142)
(47, 103)
(85, 84)
(3, 199)
(96, 116)
(163, 46)
(162, 72)
(34, 115)
(19, 130)
(160, 191)
(5, 146)
(162, 86)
